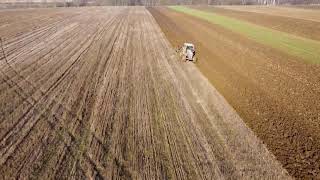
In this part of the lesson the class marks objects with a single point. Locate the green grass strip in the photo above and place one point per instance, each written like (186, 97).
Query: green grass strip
(307, 49)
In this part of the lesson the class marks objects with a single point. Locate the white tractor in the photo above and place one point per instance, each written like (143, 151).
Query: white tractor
(189, 52)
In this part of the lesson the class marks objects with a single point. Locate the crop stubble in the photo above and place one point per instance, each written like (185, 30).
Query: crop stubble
(99, 92)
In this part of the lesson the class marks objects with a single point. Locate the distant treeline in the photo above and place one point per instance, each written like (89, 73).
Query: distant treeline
(76, 3)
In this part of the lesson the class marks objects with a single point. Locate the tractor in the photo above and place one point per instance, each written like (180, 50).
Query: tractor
(189, 52)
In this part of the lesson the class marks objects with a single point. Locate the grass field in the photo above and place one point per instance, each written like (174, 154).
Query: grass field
(304, 48)
(311, 13)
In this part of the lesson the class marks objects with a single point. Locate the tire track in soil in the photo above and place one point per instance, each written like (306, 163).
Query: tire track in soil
(70, 66)
(17, 73)
(115, 103)
(57, 81)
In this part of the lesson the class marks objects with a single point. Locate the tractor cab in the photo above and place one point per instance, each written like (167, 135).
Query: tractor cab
(189, 51)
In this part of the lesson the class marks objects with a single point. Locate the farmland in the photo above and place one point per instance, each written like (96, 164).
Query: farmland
(265, 62)
(100, 93)
(301, 47)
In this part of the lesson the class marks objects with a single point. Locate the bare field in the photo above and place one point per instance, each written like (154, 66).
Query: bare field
(276, 94)
(100, 93)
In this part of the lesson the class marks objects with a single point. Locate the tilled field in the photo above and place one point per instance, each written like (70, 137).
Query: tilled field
(276, 94)
(100, 93)
(297, 25)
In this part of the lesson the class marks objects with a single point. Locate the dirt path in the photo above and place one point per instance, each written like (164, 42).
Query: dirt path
(277, 95)
(101, 94)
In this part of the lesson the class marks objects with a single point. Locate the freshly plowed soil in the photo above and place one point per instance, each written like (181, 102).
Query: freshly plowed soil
(278, 96)
(300, 27)
(99, 93)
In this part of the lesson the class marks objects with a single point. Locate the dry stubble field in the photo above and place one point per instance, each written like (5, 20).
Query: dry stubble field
(100, 93)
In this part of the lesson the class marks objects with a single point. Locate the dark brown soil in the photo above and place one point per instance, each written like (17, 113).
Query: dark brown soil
(277, 95)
